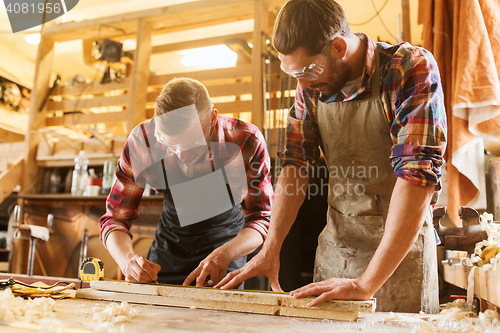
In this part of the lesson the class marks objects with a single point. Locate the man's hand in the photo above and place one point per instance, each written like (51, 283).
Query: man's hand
(347, 289)
(139, 269)
(214, 265)
(263, 264)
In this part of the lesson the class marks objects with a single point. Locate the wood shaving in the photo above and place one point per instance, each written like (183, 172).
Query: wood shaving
(455, 320)
(114, 313)
(14, 308)
(493, 231)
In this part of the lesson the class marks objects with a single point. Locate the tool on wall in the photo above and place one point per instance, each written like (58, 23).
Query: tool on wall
(274, 115)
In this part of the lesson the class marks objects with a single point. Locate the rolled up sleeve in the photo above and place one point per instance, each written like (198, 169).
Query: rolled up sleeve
(257, 203)
(419, 127)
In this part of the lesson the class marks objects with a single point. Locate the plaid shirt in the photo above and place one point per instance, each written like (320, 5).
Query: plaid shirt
(412, 98)
(126, 193)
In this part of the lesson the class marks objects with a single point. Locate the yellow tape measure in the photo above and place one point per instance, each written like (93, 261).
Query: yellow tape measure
(91, 269)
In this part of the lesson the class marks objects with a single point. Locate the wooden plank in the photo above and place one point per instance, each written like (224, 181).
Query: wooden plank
(192, 44)
(96, 102)
(406, 21)
(169, 18)
(241, 296)
(140, 75)
(30, 180)
(260, 25)
(229, 107)
(234, 107)
(493, 182)
(83, 118)
(275, 310)
(456, 274)
(237, 89)
(212, 74)
(9, 136)
(91, 88)
(487, 285)
(11, 178)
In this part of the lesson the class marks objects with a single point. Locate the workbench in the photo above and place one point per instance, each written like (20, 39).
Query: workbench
(73, 215)
(77, 313)
(486, 283)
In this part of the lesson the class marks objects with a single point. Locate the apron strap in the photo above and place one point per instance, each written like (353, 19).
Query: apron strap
(375, 82)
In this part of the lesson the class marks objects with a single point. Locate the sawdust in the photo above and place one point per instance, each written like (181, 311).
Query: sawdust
(14, 308)
(493, 231)
(114, 313)
(455, 320)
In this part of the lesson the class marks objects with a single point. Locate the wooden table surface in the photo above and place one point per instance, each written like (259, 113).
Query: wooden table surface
(76, 316)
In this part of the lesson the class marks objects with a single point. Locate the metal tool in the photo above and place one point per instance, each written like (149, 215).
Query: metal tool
(7, 283)
(91, 269)
(25, 232)
(464, 238)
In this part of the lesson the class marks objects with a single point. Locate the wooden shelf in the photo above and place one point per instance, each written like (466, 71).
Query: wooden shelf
(68, 199)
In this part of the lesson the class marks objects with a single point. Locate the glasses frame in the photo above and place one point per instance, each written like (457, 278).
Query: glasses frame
(314, 70)
(176, 149)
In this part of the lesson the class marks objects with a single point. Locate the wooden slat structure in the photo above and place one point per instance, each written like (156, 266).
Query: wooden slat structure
(131, 100)
(272, 303)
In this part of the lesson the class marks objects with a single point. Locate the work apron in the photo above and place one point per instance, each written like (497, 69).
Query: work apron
(179, 249)
(356, 144)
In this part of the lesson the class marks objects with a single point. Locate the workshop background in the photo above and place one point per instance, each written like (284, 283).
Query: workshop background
(90, 76)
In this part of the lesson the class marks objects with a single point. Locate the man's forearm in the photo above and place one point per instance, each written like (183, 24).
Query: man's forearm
(289, 195)
(245, 242)
(120, 247)
(407, 210)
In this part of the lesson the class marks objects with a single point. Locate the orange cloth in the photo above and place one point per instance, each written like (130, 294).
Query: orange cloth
(464, 38)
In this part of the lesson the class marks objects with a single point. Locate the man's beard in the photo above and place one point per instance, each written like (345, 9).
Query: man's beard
(339, 76)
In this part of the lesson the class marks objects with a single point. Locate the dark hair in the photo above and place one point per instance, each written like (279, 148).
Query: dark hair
(310, 24)
(179, 93)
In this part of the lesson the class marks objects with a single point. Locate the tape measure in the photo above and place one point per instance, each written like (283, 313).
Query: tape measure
(91, 269)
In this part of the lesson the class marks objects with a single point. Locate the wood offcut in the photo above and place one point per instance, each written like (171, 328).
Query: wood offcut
(262, 302)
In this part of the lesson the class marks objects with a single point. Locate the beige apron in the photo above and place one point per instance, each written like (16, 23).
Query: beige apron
(357, 146)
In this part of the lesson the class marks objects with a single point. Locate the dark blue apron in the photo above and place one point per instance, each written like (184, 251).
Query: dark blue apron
(179, 249)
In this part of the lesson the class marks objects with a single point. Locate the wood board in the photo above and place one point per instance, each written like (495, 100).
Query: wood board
(280, 304)
(486, 281)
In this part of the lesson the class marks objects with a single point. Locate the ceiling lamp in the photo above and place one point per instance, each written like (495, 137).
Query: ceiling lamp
(211, 56)
(33, 38)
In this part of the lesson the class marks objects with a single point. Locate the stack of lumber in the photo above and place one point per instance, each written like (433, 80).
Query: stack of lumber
(262, 302)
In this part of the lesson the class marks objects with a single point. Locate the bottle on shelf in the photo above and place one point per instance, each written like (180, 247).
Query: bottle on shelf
(108, 175)
(93, 184)
(80, 174)
(55, 181)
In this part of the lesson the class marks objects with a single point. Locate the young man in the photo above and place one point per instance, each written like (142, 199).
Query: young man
(213, 172)
(377, 113)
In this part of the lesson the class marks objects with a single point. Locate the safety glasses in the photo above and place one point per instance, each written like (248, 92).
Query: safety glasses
(314, 70)
(176, 149)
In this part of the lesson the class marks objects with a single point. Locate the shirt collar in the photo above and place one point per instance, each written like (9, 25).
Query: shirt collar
(219, 137)
(368, 70)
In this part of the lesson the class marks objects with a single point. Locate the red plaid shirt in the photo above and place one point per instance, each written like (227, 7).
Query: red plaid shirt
(126, 193)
